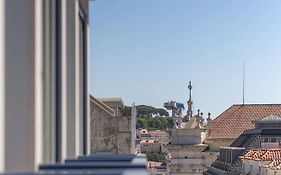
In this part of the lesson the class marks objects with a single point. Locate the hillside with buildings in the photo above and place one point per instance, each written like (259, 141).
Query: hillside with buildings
(145, 110)
(240, 138)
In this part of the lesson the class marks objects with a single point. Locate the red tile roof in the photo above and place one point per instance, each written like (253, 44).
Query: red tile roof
(263, 154)
(275, 165)
(153, 164)
(233, 121)
(272, 155)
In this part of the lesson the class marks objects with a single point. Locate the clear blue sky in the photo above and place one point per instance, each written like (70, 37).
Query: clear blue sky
(146, 51)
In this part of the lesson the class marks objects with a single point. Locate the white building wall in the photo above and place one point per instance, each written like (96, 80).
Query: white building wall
(162, 136)
(38, 89)
(19, 82)
(2, 85)
(72, 77)
(49, 101)
(23, 113)
(256, 167)
(272, 172)
(133, 128)
(78, 110)
(188, 162)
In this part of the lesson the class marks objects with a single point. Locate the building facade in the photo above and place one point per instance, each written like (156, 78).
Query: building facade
(114, 132)
(156, 168)
(266, 135)
(150, 146)
(142, 134)
(44, 82)
(230, 124)
(189, 155)
(161, 136)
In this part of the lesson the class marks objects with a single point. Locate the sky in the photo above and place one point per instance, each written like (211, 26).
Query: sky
(146, 51)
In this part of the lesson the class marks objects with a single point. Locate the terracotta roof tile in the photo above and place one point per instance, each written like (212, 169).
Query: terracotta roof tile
(272, 155)
(153, 164)
(233, 121)
(263, 154)
(275, 165)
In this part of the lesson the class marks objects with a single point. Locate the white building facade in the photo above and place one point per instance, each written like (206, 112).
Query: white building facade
(43, 82)
(161, 136)
(188, 154)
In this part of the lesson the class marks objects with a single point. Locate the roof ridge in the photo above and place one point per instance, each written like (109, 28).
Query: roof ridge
(249, 104)
(223, 113)
(231, 113)
(237, 118)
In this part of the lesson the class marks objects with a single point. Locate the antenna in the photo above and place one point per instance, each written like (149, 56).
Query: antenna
(243, 82)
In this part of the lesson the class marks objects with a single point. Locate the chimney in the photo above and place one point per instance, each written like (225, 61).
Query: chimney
(209, 120)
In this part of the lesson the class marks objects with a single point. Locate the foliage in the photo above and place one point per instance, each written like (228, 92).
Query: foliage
(145, 119)
(155, 123)
(144, 110)
(126, 111)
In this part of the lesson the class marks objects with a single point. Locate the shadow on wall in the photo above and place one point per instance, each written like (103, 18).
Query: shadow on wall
(110, 130)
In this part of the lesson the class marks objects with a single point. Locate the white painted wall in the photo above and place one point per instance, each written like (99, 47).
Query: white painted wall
(188, 161)
(38, 69)
(69, 57)
(2, 85)
(133, 128)
(22, 70)
(19, 99)
(256, 167)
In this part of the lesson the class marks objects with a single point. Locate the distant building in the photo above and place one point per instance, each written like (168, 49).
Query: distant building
(230, 124)
(189, 155)
(161, 136)
(150, 146)
(143, 134)
(265, 135)
(152, 164)
(110, 130)
(156, 168)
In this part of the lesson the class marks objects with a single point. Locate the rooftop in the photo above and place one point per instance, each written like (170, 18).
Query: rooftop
(143, 131)
(262, 154)
(269, 119)
(275, 165)
(153, 164)
(237, 118)
(117, 100)
(272, 155)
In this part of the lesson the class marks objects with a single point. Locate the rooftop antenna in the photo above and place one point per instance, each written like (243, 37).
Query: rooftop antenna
(243, 82)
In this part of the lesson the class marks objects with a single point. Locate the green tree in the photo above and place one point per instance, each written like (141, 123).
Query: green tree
(142, 123)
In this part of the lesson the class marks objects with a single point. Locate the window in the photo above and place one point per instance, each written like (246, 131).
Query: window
(57, 67)
(83, 77)
(48, 81)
